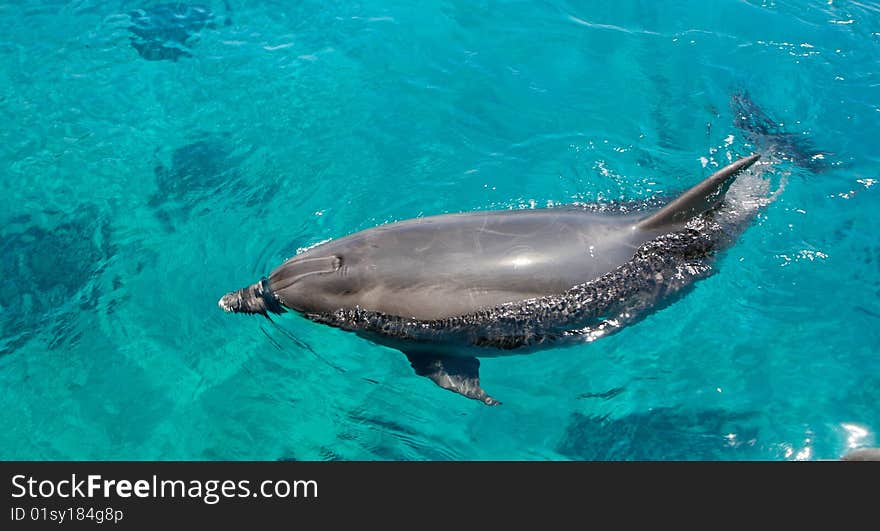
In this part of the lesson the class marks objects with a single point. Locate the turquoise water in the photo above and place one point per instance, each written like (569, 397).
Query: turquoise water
(139, 189)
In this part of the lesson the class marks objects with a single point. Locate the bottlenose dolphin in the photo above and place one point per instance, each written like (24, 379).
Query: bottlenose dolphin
(448, 289)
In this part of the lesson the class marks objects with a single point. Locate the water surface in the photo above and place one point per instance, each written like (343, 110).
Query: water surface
(137, 189)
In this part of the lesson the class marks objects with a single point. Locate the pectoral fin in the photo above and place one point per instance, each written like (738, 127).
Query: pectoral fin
(458, 374)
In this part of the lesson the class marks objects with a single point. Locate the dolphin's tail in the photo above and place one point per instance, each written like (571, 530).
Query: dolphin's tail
(256, 298)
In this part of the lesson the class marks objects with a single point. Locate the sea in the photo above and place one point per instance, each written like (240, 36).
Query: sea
(157, 155)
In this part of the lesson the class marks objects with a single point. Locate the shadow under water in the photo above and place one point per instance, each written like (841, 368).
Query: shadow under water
(769, 136)
(661, 434)
(196, 171)
(168, 31)
(47, 275)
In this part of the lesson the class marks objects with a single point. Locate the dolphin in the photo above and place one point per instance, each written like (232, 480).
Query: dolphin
(448, 289)
(862, 454)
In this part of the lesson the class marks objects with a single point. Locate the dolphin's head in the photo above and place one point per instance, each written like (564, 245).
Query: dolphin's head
(316, 281)
(312, 282)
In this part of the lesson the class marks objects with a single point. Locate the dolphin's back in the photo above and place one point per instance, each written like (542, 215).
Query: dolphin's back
(442, 266)
(457, 264)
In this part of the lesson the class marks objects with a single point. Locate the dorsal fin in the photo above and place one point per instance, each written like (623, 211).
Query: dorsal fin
(698, 199)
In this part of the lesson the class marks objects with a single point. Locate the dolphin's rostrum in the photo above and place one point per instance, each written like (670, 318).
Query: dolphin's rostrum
(448, 289)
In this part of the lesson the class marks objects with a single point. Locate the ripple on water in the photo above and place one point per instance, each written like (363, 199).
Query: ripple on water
(661, 434)
(203, 175)
(168, 32)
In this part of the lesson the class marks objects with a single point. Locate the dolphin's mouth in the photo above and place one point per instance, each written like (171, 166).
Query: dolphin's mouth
(229, 302)
(257, 298)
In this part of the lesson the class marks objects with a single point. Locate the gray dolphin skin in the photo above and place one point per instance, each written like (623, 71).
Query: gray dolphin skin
(862, 454)
(446, 290)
